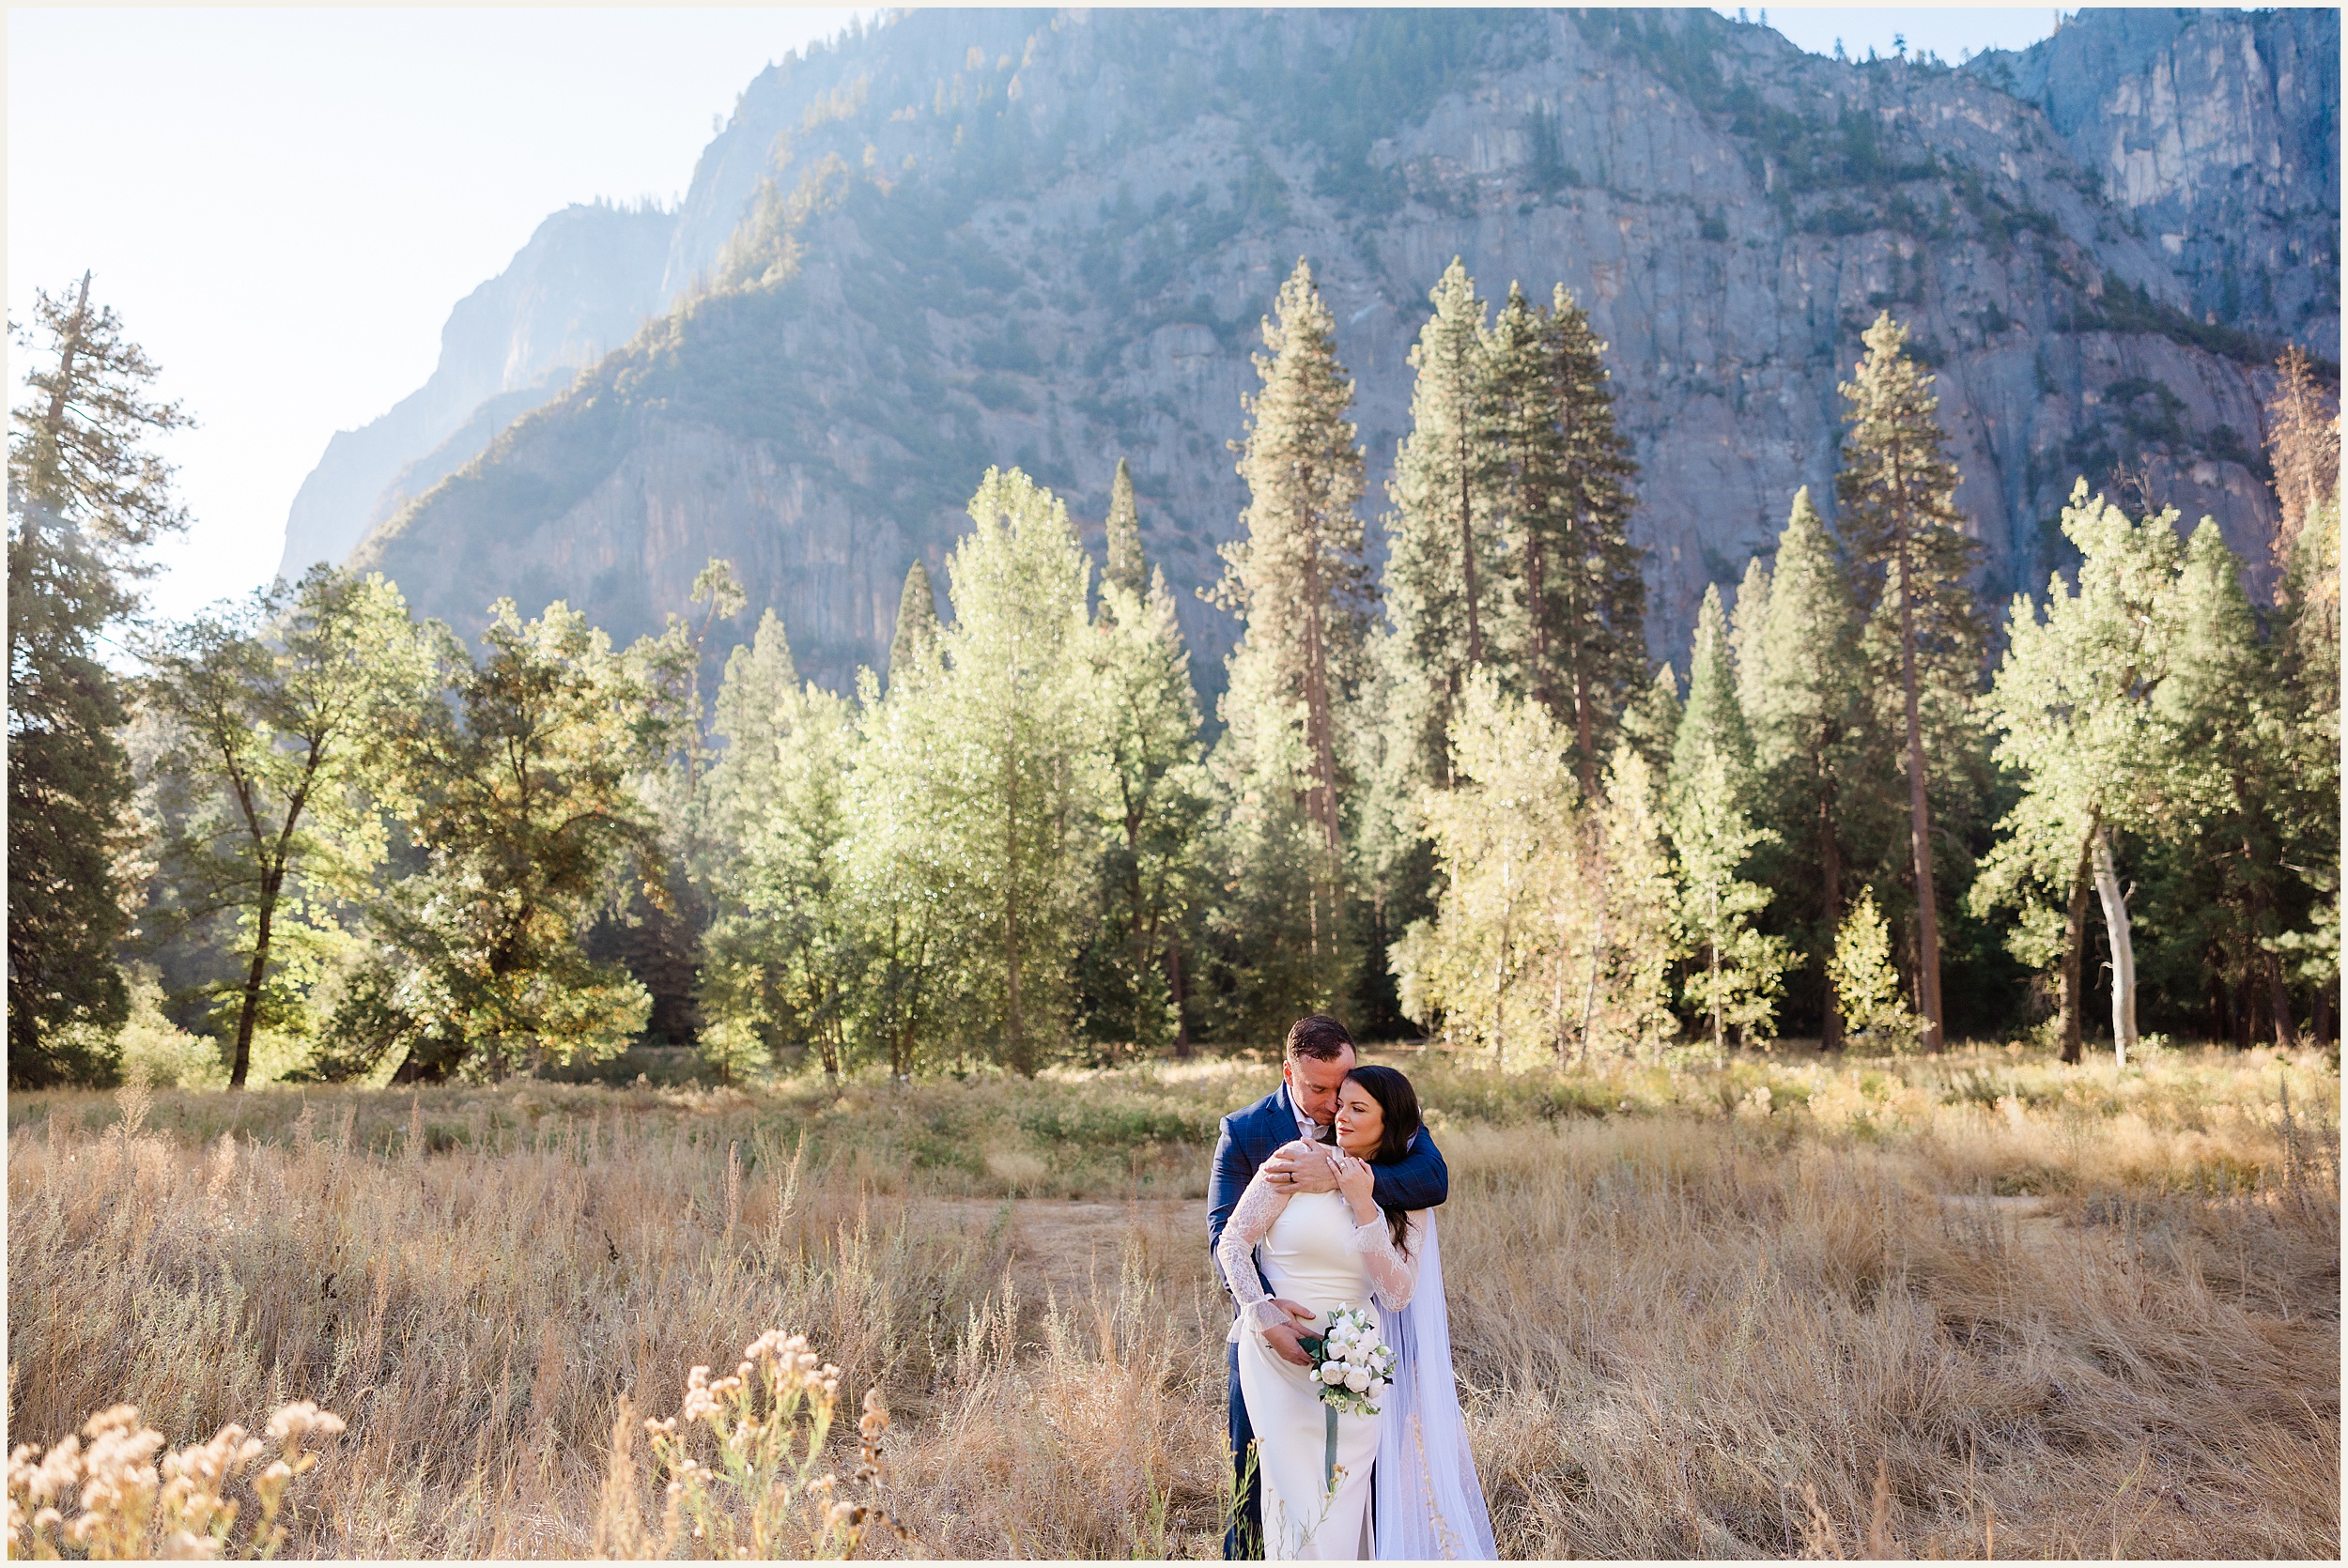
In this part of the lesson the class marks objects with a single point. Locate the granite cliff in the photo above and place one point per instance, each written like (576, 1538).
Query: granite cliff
(1047, 238)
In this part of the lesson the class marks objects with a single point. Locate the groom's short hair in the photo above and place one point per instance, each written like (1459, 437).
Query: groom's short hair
(1320, 1037)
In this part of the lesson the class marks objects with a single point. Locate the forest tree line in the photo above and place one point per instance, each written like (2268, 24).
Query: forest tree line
(314, 837)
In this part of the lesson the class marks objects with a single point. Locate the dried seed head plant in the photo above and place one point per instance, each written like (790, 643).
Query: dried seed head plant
(762, 1497)
(130, 1507)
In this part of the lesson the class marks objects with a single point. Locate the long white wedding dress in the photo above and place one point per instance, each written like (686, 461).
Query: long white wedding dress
(1412, 1457)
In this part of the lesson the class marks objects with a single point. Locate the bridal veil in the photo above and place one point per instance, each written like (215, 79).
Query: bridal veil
(1430, 1504)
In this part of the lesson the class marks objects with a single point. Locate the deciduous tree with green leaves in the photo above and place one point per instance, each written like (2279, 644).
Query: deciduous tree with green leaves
(1155, 874)
(516, 784)
(275, 707)
(2072, 700)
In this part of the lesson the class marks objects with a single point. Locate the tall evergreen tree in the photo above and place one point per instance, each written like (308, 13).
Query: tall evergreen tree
(916, 621)
(2235, 795)
(1713, 721)
(996, 749)
(1651, 724)
(1582, 598)
(1125, 567)
(1442, 570)
(1799, 676)
(85, 500)
(1298, 579)
(1155, 807)
(1896, 501)
(1709, 812)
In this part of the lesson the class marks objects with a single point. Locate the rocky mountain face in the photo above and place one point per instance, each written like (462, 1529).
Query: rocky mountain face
(579, 289)
(1047, 239)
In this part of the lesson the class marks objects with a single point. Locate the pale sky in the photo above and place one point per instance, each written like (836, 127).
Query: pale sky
(284, 204)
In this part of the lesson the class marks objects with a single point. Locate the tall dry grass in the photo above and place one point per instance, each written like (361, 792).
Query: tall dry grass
(1983, 1303)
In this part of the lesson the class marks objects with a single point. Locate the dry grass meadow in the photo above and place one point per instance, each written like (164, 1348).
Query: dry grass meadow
(1978, 1305)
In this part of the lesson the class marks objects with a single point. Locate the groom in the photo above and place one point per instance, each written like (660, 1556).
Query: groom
(1319, 1054)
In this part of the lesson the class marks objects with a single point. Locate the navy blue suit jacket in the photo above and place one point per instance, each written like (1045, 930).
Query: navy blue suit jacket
(1250, 1137)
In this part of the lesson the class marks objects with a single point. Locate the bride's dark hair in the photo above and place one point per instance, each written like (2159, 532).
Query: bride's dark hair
(1397, 1106)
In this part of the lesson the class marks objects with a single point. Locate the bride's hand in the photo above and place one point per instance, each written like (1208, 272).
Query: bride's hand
(1356, 1181)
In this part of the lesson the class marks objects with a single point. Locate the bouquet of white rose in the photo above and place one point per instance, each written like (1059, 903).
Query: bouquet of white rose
(1350, 1362)
(1353, 1366)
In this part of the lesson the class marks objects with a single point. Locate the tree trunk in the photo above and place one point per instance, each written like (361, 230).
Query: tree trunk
(1920, 816)
(1719, 1048)
(2122, 951)
(1830, 874)
(1174, 976)
(1467, 551)
(249, 1014)
(2073, 1000)
(1013, 1039)
(1589, 991)
(1584, 740)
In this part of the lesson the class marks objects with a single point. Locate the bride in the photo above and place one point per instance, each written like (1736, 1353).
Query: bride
(1320, 1250)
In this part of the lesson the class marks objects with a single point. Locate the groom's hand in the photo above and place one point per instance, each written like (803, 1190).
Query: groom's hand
(1302, 1167)
(1283, 1337)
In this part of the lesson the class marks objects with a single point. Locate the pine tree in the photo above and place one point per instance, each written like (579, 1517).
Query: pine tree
(2233, 796)
(1125, 568)
(994, 749)
(1298, 582)
(1799, 678)
(1896, 500)
(1442, 572)
(1713, 721)
(1707, 809)
(274, 711)
(85, 500)
(1156, 804)
(1584, 599)
(1651, 724)
(916, 621)
(1745, 620)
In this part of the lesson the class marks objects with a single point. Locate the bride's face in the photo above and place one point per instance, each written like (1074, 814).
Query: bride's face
(1361, 1122)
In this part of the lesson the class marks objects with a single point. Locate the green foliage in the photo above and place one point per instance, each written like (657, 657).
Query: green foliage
(516, 787)
(1299, 581)
(85, 500)
(1443, 577)
(268, 785)
(1708, 814)
(993, 768)
(1866, 984)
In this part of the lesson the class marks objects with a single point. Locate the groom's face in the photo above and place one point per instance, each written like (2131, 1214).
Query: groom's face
(1314, 1083)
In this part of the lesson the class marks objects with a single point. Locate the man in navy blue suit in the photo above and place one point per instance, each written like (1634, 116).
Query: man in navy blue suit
(1319, 1054)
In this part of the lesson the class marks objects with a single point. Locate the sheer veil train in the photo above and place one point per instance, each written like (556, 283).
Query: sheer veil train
(1430, 1504)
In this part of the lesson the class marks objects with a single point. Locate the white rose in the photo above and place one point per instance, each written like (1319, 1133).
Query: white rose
(1333, 1372)
(1357, 1380)
(1377, 1387)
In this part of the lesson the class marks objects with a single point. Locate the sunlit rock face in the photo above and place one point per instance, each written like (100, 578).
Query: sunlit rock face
(974, 238)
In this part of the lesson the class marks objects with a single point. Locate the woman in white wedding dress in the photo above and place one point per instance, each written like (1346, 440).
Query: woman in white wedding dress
(1320, 1250)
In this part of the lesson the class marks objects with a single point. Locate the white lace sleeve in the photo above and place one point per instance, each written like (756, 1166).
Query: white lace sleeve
(1393, 1272)
(1236, 1251)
